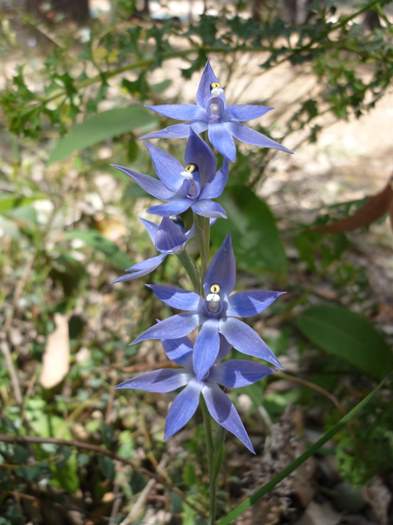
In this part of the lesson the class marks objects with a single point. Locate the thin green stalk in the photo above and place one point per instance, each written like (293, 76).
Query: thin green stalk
(203, 235)
(211, 464)
(190, 268)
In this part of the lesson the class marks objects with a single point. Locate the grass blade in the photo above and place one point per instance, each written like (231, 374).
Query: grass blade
(268, 487)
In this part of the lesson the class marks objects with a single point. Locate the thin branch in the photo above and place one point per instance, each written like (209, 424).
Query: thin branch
(96, 449)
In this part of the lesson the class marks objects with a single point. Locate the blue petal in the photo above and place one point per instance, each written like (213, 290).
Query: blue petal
(172, 328)
(246, 340)
(199, 126)
(206, 348)
(237, 373)
(225, 414)
(225, 348)
(182, 409)
(215, 187)
(204, 90)
(172, 207)
(250, 136)
(247, 111)
(178, 111)
(222, 268)
(151, 229)
(250, 302)
(198, 152)
(177, 131)
(151, 185)
(178, 350)
(222, 140)
(167, 167)
(160, 381)
(208, 208)
(140, 269)
(176, 297)
(170, 237)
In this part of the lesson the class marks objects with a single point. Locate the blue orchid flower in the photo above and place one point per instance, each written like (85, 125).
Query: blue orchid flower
(223, 122)
(229, 374)
(168, 237)
(193, 186)
(217, 312)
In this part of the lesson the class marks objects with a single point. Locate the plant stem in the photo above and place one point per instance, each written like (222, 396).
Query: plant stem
(215, 444)
(211, 464)
(202, 225)
(190, 268)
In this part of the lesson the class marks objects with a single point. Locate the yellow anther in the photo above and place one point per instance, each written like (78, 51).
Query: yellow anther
(190, 168)
(215, 288)
(215, 85)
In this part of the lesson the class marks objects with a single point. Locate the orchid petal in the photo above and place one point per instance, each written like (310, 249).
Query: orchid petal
(208, 208)
(179, 350)
(178, 111)
(151, 185)
(172, 207)
(246, 112)
(151, 229)
(160, 381)
(182, 409)
(222, 268)
(177, 131)
(206, 348)
(170, 237)
(222, 140)
(176, 297)
(246, 340)
(237, 373)
(225, 414)
(167, 167)
(198, 153)
(215, 187)
(140, 269)
(171, 328)
(250, 136)
(204, 89)
(250, 302)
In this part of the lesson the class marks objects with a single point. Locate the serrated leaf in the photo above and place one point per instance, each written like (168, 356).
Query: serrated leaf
(348, 335)
(102, 126)
(256, 239)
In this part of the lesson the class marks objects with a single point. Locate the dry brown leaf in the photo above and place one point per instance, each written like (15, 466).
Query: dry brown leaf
(56, 362)
(375, 208)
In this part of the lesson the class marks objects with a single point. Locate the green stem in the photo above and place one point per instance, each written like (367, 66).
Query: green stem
(203, 235)
(211, 464)
(190, 268)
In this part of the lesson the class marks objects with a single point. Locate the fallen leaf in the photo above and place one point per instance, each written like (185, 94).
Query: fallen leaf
(375, 208)
(56, 361)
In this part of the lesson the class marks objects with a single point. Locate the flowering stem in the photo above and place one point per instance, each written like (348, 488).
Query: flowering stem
(190, 268)
(203, 234)
(214, 446)
(211, 464)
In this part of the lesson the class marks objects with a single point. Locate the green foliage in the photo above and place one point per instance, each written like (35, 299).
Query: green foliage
(255, 235)
(367, 448)
(101, 127)
(348, 335)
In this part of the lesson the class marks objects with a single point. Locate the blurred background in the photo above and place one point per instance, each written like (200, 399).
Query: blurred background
(74, 76)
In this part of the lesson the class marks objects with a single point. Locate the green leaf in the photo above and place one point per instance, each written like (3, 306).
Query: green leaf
(255, 235)
(101, 127)
(10, 202)
(95, 240)
(348, 335)
(313, 449)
